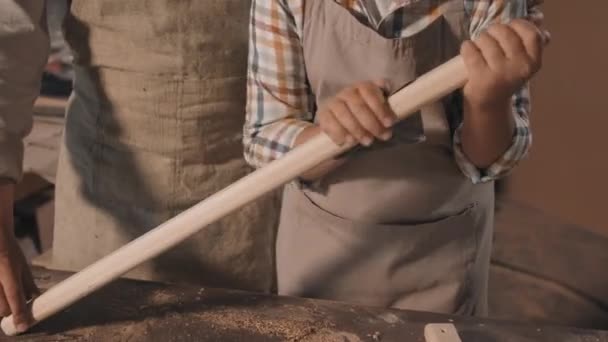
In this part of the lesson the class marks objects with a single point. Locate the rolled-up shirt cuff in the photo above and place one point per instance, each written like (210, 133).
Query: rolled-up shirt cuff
(497, 170)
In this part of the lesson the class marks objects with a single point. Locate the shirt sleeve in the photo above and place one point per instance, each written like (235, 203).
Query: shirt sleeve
(23, 53)
(484, 13)
(279, 102)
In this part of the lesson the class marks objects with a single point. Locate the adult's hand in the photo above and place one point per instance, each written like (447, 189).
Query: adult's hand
(16, 281)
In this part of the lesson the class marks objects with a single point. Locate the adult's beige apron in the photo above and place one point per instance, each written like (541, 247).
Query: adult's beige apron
(398, 225)
(153, 127)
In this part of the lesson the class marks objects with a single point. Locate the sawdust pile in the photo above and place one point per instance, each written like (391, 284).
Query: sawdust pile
(293, 330)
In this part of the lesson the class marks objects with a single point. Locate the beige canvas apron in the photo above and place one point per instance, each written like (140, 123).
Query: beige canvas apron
(397, 225)
(153, 127)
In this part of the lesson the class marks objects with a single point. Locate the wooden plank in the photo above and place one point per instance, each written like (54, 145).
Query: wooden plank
(140, 311)
(441, 333)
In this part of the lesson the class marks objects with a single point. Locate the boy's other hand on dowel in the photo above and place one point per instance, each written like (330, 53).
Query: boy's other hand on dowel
(499, 62)
(358, 114)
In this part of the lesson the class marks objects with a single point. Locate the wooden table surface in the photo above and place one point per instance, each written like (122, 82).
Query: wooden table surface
(140, 311)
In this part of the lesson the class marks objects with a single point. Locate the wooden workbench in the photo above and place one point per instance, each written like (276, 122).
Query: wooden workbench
(139, 311)
(542, 270)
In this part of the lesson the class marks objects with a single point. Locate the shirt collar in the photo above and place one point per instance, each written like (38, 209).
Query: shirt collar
(378, 10)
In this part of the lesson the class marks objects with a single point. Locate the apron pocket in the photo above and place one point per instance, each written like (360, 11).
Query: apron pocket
(424, 266)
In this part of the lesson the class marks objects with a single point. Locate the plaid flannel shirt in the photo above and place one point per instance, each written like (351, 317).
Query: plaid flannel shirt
(279, 102)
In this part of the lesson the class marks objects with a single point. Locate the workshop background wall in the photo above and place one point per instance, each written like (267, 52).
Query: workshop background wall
(567, 172)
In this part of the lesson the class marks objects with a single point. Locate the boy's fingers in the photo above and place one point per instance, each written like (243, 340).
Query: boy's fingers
(366, 118)
(377, 102)
(546, 35)
(368, 95)
(509, 40)
(519, 62)
(532, 38)
(333, 128)
(343, 114)
(374, 90)
(472, 56)
(491, 50)
(538, 18)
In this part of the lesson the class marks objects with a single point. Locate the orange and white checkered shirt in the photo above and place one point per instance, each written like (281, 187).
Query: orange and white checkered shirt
(280, 103)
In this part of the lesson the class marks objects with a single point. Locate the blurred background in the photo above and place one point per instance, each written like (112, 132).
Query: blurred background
(566, 173)
(550, 260)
